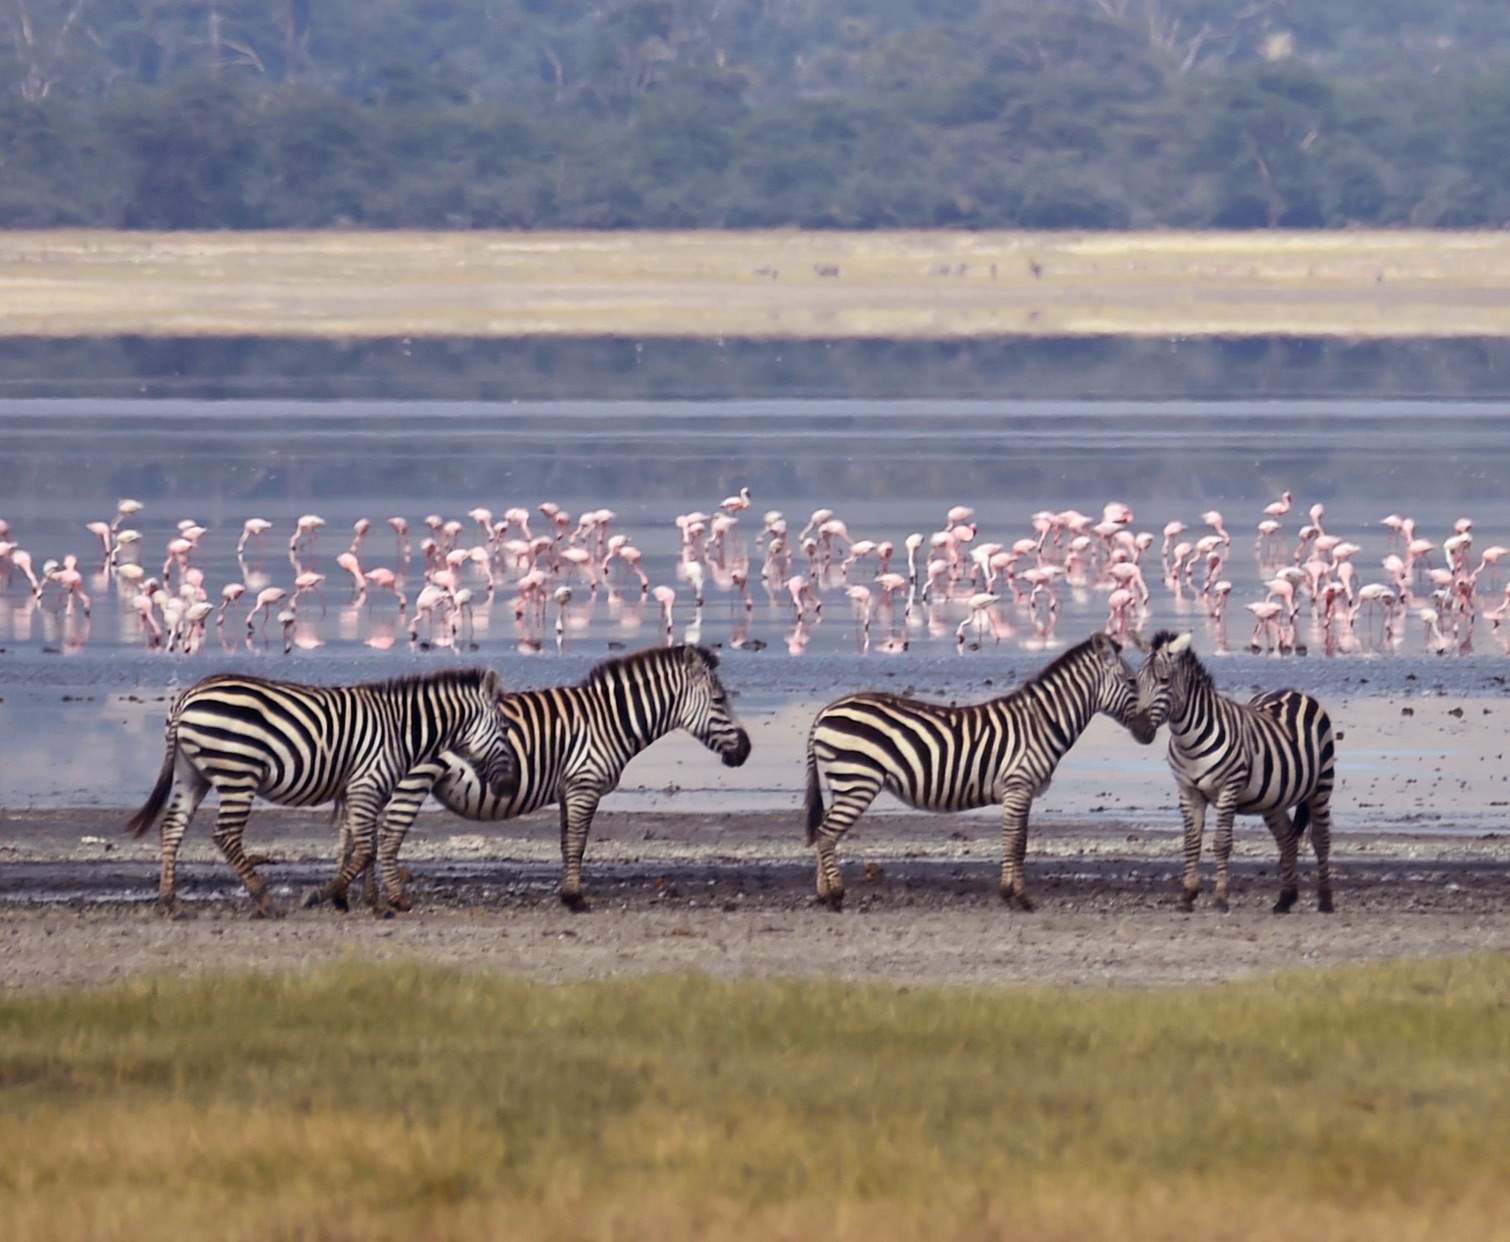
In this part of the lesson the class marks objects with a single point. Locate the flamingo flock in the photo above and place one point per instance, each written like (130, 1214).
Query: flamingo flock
(548, 574)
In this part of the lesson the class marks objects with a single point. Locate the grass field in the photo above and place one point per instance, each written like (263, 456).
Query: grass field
(937, 285)
(404, 1102)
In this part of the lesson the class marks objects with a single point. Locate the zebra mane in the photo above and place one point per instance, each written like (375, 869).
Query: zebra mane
(1064, 659)
(1197, 672)
(650, 658)
(461, 678)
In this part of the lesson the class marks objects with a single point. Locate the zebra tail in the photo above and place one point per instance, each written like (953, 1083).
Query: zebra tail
(147, 816)
(814, 801)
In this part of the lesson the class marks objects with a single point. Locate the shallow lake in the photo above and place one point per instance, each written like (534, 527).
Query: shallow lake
(83, 693)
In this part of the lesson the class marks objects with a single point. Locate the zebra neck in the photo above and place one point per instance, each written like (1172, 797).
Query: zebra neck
(1197, 701)
(1063, 703)
(643, 717)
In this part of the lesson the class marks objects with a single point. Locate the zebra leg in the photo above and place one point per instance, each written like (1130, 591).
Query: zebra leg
(1193, 812)
(1015, 805)
(1226, 814)
(359, 846)
(235, 807)
(1321, 841)
(849, 803)
(578, 806)
(191, 790)
(1283, 828)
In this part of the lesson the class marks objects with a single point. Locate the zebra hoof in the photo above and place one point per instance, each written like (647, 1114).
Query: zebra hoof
(575, 902)
(1286, 901)
(1219, 904)
(1187, 903)
(1324, 902)
(268, 910)
(1018, 900)
(172, 909)
(834, 901)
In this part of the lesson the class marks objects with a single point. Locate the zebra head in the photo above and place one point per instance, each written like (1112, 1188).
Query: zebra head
(1161, 688)
(705, 712)
(1117, 689)
(482, 736)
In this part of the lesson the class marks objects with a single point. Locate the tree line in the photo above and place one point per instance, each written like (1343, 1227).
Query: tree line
(539, 114)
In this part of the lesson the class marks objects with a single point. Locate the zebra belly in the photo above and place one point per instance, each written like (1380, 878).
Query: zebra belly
(1253, 798)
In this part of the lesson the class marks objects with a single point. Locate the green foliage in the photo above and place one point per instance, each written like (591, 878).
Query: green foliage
(826, 113)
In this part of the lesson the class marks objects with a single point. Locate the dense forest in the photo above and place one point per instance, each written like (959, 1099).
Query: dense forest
(741, 113)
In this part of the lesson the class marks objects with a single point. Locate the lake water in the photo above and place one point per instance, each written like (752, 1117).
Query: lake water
(84, 694)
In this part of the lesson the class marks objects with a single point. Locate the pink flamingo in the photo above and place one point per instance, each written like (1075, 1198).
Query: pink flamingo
(1278, 508)
(106, 536)
(303, 584)
(229, 594)
(401, 536)
(124, 509)
(68, 577)
(734, 504)
(305, 530)
(1266, 613)
(1213, 519)
(665, 596)
(21, 559)
(349, 562)
(386, 580)
(631, 555)
(253, 528)
(266, 598)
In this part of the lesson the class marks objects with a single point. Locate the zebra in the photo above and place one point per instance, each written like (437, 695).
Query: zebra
(942, 758)
(301, 745)
(572, 744)
(1260, 758)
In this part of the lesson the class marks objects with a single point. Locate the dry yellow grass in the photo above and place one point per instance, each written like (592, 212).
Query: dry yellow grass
(411, 1103)
(934, 285)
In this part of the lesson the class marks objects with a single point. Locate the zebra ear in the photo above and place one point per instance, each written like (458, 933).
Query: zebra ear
(1180, 643)
(1136, 638)
(492, 684)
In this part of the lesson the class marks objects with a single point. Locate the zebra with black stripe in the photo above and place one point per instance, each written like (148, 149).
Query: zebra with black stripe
(572, 744)
(303, 745)
(941, 758)
(1265, 757)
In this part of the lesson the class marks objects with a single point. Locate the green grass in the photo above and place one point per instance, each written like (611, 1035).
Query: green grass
(408, 1102)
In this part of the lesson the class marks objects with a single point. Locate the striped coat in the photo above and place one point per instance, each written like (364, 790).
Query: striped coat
(303, 745)
(1265, 757)
(572, 745)
(941, 758)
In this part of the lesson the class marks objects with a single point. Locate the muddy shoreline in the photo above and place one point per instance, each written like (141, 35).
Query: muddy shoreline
(731, 895)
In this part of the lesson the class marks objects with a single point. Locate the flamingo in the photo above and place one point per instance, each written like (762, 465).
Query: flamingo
(401, 534)
(665, 596)
(124, 509)
(305, 530)
(266, 598)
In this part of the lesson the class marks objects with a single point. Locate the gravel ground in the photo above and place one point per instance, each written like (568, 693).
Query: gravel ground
(730, 895)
